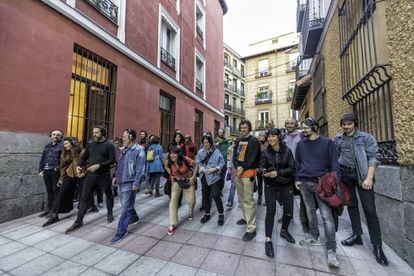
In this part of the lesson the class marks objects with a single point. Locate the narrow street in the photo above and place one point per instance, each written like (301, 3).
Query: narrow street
(195, 249)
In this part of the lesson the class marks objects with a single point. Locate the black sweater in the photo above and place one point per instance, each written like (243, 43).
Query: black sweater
(102, 153)
(280, 161)
(247, 153)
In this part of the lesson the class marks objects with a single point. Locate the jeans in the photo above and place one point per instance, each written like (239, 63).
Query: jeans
(367, 197)
(286, 195)
(307, 189)
(259, 185)
(245, 188)
(155, 182)
(303, 216)
(128, 213)
(232, 187)
(212, 192)
(51, 178)
(90, 181)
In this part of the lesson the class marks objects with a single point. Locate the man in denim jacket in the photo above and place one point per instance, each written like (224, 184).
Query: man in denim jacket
(358, 159)
(130, 168)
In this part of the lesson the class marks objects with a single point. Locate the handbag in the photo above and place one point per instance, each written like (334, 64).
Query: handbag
(167, 187)
(183, 183)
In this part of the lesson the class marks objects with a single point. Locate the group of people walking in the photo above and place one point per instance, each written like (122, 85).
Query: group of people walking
(280, 163)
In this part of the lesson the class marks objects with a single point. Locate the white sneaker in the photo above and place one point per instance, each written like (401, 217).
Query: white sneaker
(332, 261)
(310, 242)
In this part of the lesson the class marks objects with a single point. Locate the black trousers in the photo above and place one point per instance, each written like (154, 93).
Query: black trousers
(222, 177)
(285, 194)
(64, 197)
(367, 197)
(103, 180)
(210, 193)
(259, 185)
(51, 178)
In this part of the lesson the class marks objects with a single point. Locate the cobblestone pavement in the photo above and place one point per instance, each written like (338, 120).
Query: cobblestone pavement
(28, 249)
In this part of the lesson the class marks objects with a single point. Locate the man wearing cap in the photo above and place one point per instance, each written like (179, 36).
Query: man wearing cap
(358, 160)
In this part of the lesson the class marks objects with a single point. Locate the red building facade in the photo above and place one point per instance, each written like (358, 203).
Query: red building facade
(153, 65)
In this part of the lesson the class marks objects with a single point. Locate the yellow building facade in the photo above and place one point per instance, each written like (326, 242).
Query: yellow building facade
(270, 80)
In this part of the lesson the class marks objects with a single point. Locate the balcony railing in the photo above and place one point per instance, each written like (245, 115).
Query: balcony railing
(199, 85)
(312, 27)
(263, 73)
(228, 107)
(199, 32)
(263, 124)
(167, 58)
(232, 88)
(299, 14)
(107, 8)
(302, 67)
(234, 130)
(234, 109)
(263, 98)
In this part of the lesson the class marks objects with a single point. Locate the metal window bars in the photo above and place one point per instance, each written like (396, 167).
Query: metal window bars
(167, 58)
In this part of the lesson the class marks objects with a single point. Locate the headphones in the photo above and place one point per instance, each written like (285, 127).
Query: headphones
(56, 129)
(132, 134)
(312, 123)
(246, 122)
(102, 129)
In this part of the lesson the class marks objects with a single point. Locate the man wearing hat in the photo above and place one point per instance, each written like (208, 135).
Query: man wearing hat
(358, 160)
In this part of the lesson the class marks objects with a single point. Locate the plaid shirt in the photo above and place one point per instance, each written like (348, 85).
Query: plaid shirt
(51, 157)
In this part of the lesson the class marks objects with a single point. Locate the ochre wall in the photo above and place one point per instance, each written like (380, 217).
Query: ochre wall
(400, 25)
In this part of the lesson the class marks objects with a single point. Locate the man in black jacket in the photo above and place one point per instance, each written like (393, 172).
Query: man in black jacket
(49, 166)
(246, 159)
(97, 159)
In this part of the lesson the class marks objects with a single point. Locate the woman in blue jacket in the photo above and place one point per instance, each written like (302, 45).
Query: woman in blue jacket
(210, 162)
(155, 166)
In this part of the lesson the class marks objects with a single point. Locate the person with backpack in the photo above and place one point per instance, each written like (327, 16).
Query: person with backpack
(210, 162)
(183, 174)
(154, 166)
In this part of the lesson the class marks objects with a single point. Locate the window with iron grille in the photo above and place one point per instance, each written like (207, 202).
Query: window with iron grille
(366, 79)
(198, 126)
(92, 97)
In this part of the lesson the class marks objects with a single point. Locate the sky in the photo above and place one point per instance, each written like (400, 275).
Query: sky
(249, 21)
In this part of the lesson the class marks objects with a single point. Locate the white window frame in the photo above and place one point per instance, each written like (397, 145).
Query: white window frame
(264, 112)
(197, 55)
(164, 16)
(203, 22)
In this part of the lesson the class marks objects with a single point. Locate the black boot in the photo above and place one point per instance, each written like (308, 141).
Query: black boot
(110, 217)
(205, 218)
(352, 240)
(269, 249)
(75, 226)
(287, 236)
(50, 221)
(380, 256)
(220, 219)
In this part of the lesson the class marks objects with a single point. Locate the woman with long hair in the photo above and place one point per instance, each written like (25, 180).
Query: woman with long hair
(183, 174)
(278, 172)
(67, 181)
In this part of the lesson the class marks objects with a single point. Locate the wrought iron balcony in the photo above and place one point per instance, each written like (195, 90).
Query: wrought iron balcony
(262, 124)
(312, 27)
(167, 58)
(199, 32)
(234, 130)
(300, 11)
(107, 8)
(228, 107)
(302, 67)
(199, 85)
(263, 98)
(262, 73)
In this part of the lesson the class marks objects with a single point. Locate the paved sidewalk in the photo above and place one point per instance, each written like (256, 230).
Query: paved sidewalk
(28, 249)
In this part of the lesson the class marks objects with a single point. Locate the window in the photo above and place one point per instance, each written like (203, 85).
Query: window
(263, 95)
(293, 59)
(289, 92)
(166, 119)
(91, 100)
(263, 70)
(235, 63)
(226, 60)
(200, 22)
(226, 120)
(200, 73)
(234, 84)
(242, 70)
(198, 125)
(242, 89)
(234, 123)
(169, 41)
(226, 99)
(264, 120)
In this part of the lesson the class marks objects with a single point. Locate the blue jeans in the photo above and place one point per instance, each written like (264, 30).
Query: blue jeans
(128, 214)
(232, 187)
(307, 189)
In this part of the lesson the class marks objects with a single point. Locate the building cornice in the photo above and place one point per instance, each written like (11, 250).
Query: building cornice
(92, 27)
(270, 51)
